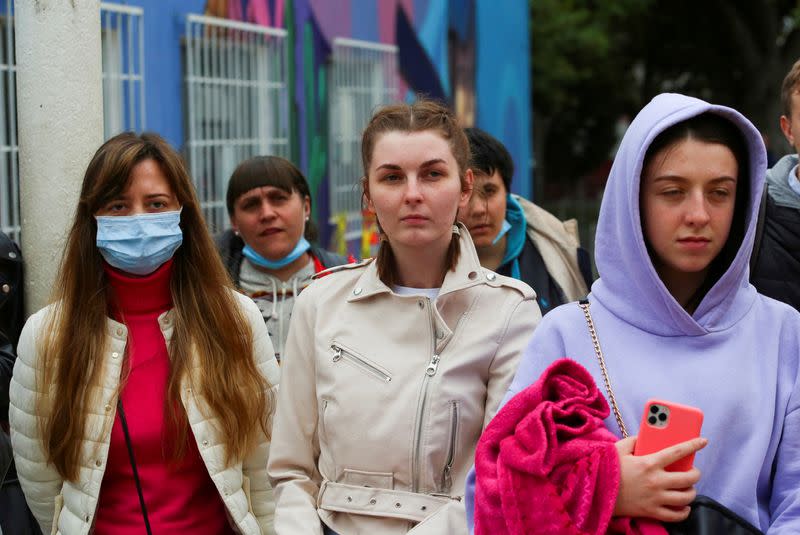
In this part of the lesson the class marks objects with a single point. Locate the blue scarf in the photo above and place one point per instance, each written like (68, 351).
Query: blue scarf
(516, 235)
(301, 247)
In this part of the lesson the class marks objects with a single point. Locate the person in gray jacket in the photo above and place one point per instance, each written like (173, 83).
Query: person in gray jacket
(775, 265)
(269, 250)
(517, 238)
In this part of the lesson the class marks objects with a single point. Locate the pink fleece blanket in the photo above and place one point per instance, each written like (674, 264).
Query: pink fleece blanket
(546, 463)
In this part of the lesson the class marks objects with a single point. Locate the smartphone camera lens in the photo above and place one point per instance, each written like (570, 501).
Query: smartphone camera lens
(662, 417)
(653, 409)
(652, 420)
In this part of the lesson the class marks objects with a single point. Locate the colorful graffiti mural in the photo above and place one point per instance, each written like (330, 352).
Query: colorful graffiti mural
(474, 54)
(471, 53)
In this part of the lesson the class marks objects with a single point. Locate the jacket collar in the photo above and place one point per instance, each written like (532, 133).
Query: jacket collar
(549, 226)
(468, 273)
(119, 331)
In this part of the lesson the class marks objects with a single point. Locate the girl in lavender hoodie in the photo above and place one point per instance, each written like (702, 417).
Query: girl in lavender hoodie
(678, 320)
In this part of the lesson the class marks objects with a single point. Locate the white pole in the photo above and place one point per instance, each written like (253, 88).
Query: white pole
(60, 125)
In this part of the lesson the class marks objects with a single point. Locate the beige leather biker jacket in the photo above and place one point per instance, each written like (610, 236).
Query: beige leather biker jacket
(383, 397)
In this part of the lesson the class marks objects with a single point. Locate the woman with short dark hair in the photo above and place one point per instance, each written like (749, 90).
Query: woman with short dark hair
(269, 251)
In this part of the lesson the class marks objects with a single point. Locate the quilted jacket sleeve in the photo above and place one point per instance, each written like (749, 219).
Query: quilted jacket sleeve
(254, 467)
(39, 479)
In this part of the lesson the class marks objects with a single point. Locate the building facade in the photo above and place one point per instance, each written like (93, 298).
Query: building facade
(224, 80)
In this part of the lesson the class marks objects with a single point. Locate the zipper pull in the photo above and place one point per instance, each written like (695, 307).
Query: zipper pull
(447, 480)
(337, 356)
(432, 365)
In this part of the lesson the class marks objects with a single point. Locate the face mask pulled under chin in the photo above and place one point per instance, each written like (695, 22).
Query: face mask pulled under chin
(302, 246)
(503, 231)
(139, 244)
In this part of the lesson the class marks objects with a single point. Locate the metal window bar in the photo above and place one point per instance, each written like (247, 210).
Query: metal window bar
(123, 93)
(237, 103)
(364, 76)
(9, 150)
(122, 37)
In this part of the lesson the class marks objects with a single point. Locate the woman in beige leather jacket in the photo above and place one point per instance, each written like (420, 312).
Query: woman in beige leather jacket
(396, 365)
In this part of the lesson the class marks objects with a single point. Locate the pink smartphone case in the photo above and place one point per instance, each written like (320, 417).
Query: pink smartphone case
(683, 424)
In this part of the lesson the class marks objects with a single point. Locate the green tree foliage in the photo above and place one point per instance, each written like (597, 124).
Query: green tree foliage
(595, 61)
(731, 52)
(582, 54)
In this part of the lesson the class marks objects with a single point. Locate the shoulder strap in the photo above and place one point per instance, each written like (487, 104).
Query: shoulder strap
(584, 304)
(762, 214)
(124, 423)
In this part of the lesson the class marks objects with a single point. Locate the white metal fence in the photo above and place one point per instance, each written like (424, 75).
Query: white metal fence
(122, 37)
(123, 93)
(9, 170)
(364, 75)
(237, 102)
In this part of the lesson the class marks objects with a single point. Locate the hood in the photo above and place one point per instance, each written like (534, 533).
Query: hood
(629, 285)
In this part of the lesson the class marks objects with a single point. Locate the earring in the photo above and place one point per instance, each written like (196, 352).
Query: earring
(456, 230)
(306, 218)
(236, 232)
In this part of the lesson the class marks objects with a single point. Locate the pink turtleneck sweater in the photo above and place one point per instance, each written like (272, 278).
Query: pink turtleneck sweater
(179, 495)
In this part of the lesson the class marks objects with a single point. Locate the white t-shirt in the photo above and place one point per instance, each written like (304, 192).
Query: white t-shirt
(430, 293)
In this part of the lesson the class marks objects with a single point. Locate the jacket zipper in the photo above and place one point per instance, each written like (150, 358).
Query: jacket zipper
(339, 353)
(447, 479)
(430, 371)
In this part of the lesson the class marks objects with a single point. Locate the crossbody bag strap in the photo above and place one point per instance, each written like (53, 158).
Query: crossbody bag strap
(128, 443)
(584, 304)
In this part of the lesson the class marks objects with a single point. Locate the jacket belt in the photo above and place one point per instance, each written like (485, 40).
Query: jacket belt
(370, 501)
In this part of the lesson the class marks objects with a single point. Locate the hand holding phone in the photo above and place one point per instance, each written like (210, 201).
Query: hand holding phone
(647, 490)
(664, 424)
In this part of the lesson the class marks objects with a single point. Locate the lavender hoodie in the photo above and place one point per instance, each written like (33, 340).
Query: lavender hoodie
(736, 357)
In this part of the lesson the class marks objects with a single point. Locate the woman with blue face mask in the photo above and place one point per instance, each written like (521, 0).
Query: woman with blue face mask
(141, 396)
(268, 250)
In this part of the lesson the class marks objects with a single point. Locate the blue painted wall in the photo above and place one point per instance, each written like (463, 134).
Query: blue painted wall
(502, 84)
(502, 56)
(502, 81)
(164, 26)
(364, 20)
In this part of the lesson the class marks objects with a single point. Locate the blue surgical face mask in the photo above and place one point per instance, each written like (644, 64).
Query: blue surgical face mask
(301, 247)
(139, 244)
(503, 231)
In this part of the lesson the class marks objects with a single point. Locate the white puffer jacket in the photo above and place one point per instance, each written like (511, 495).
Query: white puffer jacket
(68, 508)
